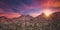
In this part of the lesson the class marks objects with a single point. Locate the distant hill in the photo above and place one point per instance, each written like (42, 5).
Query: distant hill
(56, 20)
(55, 15)
(3, 17)
(41, 17)
(26, 17)
(23, 18)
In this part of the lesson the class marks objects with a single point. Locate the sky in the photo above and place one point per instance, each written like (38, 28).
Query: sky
(16, 8)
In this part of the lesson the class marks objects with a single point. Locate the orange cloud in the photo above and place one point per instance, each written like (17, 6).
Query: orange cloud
(57, 4)
(51, 3)
(10, 15)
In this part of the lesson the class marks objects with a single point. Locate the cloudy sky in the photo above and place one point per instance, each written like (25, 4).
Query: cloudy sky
(15, 8)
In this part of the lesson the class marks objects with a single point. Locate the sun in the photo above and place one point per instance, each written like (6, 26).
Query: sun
(47, 12)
